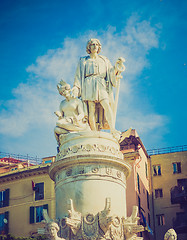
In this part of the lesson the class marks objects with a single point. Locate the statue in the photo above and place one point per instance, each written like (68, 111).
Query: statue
(131, 227)
(71, 117)
(53, 228)
(94, 79)
(170, 235)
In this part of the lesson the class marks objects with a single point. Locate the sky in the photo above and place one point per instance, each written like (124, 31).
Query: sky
(41, 42)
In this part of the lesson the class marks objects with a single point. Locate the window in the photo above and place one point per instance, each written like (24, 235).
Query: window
(4, 198)
(36, 213)
(158, 193)
(147, 200)
(39, 191)
(156, 170)
(177, 167)
(139, 203)
(4, 223)
(138, 182)
(146, 174)
(160, 219)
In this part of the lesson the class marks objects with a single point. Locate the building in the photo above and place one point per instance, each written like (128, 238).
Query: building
(169, 180)
(139, 183)
(25, 190)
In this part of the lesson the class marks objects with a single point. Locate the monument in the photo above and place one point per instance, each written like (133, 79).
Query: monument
(90, 172)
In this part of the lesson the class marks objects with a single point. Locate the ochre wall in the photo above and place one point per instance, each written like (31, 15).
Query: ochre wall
(166, 181)
(22, 197)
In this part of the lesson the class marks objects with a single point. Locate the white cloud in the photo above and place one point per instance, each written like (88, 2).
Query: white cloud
(34, 102)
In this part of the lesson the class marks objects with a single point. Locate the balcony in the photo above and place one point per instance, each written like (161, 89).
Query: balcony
(180, 223)
(179, 195)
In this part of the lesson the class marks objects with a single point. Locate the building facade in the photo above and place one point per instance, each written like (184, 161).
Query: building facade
(139, 182)
(25, 190)
(169, 181)
(157, 185)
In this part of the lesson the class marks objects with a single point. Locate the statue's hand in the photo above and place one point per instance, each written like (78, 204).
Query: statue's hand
(58, 114)
(119, 67)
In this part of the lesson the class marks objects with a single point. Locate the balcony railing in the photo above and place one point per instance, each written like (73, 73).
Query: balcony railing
(179, 195)
(157, 151)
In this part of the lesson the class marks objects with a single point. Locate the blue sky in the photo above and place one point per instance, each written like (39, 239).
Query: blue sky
(41, 42)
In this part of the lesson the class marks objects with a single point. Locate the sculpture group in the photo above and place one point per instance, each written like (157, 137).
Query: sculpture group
(89, 160)
(90, 104)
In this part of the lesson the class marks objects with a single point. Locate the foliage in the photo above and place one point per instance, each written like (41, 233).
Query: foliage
(10, 237)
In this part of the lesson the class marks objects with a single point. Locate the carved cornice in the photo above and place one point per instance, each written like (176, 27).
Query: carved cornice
(24, 173)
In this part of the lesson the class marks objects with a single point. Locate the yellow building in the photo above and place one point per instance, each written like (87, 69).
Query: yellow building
(25, 190)
(169, 179)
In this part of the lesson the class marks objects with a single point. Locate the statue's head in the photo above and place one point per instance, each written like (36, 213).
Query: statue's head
(52, 228)
(63, 88)
(90, 42)
(170, 235)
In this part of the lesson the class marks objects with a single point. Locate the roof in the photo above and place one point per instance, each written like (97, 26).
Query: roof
(131, 135)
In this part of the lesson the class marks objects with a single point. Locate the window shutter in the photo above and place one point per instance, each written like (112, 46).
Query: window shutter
(31, 214)
(6, 201)
(179, 167)
(7, 223)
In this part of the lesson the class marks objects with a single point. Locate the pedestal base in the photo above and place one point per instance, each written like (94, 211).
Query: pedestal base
(89, 169)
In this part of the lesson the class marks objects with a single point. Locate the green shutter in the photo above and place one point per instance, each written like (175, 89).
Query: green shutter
(6, 201)
(31, 214)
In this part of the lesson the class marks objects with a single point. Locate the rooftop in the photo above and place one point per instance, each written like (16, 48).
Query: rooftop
(166, 150)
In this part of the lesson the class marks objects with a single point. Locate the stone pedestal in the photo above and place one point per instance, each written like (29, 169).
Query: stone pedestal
(89, 168)
(90, 184)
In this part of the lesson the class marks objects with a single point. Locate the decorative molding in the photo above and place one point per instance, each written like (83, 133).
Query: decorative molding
(89, 170)
(80, 148)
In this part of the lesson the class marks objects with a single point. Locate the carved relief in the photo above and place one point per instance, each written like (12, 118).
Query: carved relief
(105, 219)
(90, 227)
(102, 225)
(87, 148)
(116, 229)
(95, 169)
(108, 171)
(100, 170)
(74, 219)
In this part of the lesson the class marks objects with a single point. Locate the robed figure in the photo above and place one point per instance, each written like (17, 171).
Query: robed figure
(94, 81)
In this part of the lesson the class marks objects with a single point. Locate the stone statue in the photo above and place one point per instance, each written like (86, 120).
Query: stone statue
(170, 235)
(131, 227)
(52, 229)
(71, 117)
(94, 79)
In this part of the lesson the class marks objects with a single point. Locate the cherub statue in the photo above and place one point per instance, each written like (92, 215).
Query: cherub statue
(170, 235)
(52, 229)
(71, 116)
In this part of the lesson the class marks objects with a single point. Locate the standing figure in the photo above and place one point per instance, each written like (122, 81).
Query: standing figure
(52, 229)
(71, 117)
(94, 79)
